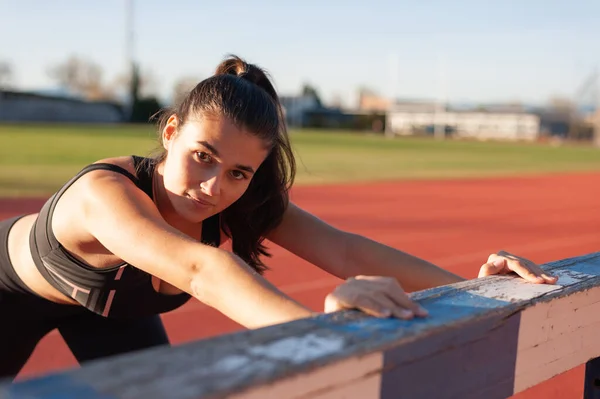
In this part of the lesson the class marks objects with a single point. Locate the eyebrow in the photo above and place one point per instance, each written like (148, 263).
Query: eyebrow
(212, 149)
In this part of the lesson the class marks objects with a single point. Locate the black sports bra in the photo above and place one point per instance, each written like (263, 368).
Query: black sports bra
(119, 291)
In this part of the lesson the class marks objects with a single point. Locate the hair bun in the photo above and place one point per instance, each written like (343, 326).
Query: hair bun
(236, 66)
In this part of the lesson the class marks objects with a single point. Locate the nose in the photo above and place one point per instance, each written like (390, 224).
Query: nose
(212, 186)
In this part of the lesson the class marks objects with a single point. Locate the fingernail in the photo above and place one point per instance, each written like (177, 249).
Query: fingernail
(386, 313)
(422, 311)
(406, 314)
(498, 262)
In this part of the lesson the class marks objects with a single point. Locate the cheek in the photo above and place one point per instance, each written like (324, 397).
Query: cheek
(233, 193)
(177, 175)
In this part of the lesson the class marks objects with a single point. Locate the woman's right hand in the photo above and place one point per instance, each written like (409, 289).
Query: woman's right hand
(374, 295)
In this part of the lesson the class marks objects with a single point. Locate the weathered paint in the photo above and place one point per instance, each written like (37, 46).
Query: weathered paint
(489, 337)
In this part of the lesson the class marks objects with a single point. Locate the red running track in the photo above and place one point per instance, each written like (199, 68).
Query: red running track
(454, 223)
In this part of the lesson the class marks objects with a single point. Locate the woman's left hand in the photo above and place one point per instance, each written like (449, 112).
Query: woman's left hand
(504, 263)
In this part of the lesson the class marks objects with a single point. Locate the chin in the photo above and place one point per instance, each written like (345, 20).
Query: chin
(196, 217)
(183, 211)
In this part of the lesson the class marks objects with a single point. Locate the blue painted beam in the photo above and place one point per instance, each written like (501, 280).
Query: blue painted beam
(478, 342)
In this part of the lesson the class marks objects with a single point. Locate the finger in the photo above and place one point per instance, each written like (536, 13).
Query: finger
(548, 278)
(506, 256)
(541, 276)
(340, 300)
(499, 255)
(332, 303)
(493, 266)
(381, 307)
(393, 290)
(377, 279)
(535, 268)
(503, 253)
(374, 304)
(403, 301)
(529, 274)
(520, 266)
(389, 306)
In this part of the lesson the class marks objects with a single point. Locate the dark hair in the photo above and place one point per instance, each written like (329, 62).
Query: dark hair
(243, 93)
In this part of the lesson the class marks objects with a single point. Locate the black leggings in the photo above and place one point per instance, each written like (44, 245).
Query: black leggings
(26, 318)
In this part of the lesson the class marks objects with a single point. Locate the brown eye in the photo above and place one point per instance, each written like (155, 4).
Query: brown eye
(236, 174)
(204, 156)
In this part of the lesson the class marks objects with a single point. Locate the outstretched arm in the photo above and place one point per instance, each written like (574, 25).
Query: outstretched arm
(368, 256)
(345, 255)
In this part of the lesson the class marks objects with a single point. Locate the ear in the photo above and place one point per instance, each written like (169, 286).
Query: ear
(170, 131)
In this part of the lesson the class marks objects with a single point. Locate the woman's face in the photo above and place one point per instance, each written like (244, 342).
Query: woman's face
(209, 165)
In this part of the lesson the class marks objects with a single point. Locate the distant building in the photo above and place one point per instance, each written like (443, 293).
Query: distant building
(370, 102)
(407, 118)
(593, 118)
(18, 106)
(594, 121)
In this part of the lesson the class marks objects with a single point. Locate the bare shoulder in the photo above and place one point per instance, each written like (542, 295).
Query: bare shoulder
(93, 190)
(106, 184)
(125, 162)
(100, 182)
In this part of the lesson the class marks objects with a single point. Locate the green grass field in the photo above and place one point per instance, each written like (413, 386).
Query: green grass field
(37, 159)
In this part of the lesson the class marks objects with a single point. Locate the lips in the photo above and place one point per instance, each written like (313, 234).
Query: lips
(201, 201)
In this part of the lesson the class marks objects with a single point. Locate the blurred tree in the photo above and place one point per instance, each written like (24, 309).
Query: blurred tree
(566, 109)
(143, 103)
(137, 83)
(134, 85)
(309, 90)
(82, 77)
(143, 109)
(563, 105)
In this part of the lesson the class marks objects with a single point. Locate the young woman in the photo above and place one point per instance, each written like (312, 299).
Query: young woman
(129, 238)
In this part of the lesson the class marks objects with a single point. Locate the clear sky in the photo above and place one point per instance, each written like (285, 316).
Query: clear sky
(465, 50)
